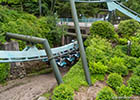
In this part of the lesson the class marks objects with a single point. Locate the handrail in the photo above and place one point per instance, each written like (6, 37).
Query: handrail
(81, 20)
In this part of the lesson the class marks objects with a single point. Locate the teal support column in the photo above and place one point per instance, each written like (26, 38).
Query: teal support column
(80, 41)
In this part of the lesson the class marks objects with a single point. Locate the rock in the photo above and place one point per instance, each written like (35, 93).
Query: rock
(42, 98)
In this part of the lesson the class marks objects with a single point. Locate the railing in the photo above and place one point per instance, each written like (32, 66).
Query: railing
(125, 10)
(90, 20)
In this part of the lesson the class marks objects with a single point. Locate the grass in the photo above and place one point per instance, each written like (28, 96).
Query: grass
(76, 77)
(47, 95)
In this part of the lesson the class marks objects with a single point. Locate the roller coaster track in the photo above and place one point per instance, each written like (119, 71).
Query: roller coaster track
(113, 5)
(125, 10)
(68, 52)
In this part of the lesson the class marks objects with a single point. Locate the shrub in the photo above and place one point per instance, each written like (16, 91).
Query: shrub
(124, 91)
(97, 68)
(98, 50)
(122, 41)
(131, 62)
(27, 24)
(135, 49)
(114, 80)
(120, 50)
(134, 83)
(117, 65)
(63, 92)
(137, 70)
(128, 27)
(103, 29)
(4, 71)
(106, 94)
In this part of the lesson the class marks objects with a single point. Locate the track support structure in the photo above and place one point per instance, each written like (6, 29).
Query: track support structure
(80, 41)
(47, 48)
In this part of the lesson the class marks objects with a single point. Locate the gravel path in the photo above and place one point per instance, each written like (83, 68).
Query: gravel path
(28, 88)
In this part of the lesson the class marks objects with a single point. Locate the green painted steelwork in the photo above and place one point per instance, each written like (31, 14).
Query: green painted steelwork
(80, 41)
(31, 53)
(40, 7)
(47, 49)
(112, 6)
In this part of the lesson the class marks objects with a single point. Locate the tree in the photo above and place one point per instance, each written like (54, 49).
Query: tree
(17, 2)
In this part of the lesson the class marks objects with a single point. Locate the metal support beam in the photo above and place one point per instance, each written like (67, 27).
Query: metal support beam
(47, 49)
(80, 41)
(40, 7)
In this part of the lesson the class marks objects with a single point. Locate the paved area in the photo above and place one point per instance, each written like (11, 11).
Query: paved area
(28, 88)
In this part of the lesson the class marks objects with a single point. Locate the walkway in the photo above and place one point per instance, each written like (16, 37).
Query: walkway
(28, 88)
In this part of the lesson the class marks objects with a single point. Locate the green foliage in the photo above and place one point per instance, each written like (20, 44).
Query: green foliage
(87, 9)
(128, 27)
(100, 77)
(135, 38)
(98, 49)
(122, 41)
(120, 50)
(131, 62)
(137, 71)
(97, 68)
(134, 83)
(103, 29)
(75, 77)
(4, 71)
(135, 49)
(133, 4)
(114, 80)
(63, 92)
(106, 94)
(117, 65)
(27, 24)
(16, 1)
(124, 91)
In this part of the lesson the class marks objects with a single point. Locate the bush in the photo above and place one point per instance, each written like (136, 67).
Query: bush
(103, 29)
(27, 24)
(4, 71)
(134, 83)
(122, 41)
(135, 49)
(106, 94)
(120, 50)
(128, 27)
(63, 92)
(124, 91)
(97, 68)
(117, 65)
(114, 80)
(98, 50)
(137, 70)
(131, 62)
